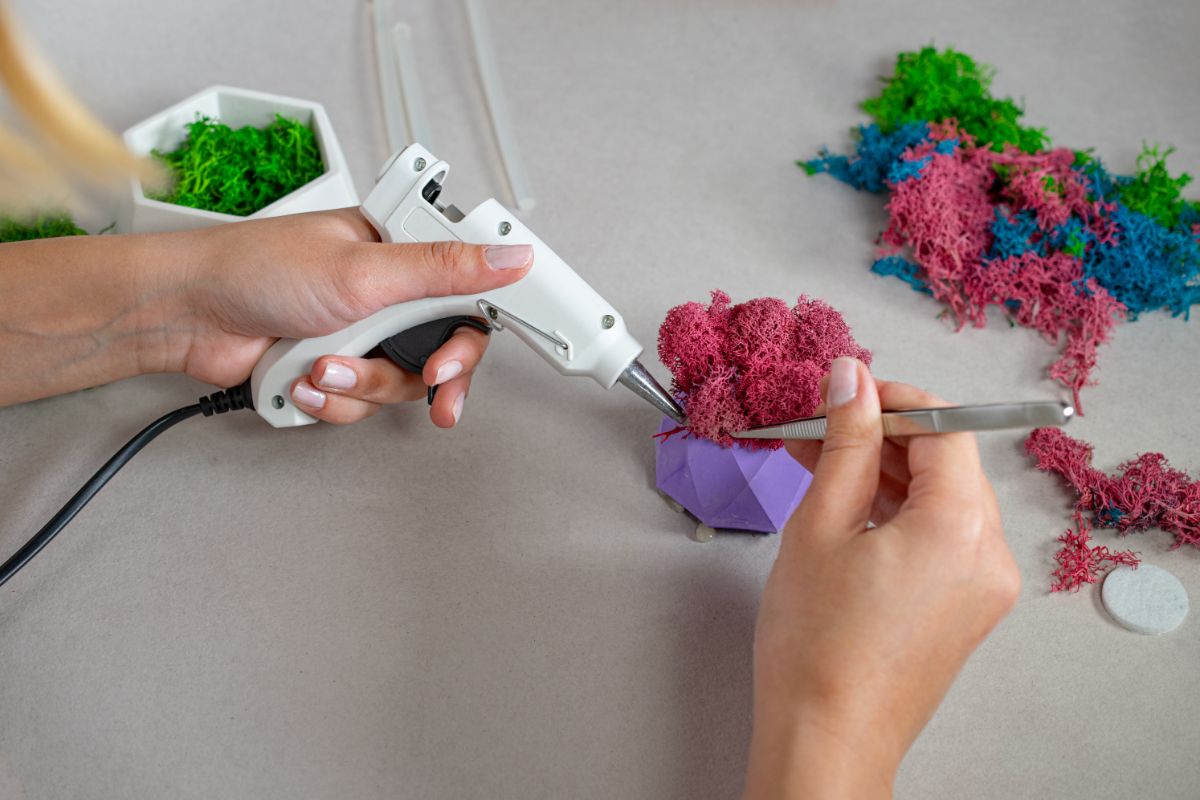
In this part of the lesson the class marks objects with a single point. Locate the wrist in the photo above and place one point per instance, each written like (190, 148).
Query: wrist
(815, 753)
(165, 271)
(85, 311)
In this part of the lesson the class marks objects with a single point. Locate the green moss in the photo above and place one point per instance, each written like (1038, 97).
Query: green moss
(1153, 192)
(46, 226)
(933, 86)
(1076, 245)
(243, 170)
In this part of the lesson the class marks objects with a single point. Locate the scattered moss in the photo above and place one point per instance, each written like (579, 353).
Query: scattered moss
(1153, 192)
(46, 226)
(933, 86)
(240, 170)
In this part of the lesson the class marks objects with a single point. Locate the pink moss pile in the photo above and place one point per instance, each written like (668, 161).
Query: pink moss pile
(760, 362)
(947, 219)
(1145, 492)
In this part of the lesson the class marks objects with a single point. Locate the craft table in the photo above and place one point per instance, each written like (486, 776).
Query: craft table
(508, 610)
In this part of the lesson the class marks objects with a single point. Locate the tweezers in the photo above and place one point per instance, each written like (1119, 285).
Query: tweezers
(921, 421)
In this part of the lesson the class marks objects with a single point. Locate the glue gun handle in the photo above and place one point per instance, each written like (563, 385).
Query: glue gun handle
(552, 310)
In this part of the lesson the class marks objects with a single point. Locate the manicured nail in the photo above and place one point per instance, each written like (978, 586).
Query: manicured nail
(337, 376)
(458, 405)
(843, 381)
(307, 396)
(447, 371)
(508, 256)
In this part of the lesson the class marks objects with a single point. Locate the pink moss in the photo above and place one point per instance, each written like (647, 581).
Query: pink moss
(946, 218)
(1145, 492)
(1043, 183)
(1050, 295)
(1079, 563)
(755, 363)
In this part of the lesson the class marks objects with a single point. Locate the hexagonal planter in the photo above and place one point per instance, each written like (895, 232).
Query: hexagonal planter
(732, 488)
(234, 107)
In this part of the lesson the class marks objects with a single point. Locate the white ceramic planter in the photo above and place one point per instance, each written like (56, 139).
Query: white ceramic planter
(236, 108)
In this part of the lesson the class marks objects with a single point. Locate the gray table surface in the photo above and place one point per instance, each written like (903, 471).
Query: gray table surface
(508, 610)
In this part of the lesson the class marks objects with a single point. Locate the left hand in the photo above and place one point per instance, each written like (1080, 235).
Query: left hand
(251, 282)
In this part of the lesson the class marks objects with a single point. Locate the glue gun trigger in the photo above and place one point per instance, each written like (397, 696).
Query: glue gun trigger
(410, 349)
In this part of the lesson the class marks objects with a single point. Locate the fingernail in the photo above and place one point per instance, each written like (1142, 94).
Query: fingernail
(338, 376)
(447, 371)
(458, 406)
(508, 256)
(307, 396)
(843, 381)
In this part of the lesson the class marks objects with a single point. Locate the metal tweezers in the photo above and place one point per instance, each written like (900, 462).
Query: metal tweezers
(920, 421)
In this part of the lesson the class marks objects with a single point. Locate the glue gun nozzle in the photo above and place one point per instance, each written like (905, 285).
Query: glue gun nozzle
(642, 383)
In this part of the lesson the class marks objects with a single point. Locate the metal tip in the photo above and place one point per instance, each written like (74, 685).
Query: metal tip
(642, 383)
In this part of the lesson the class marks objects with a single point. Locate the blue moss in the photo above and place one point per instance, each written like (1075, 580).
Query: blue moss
(903, 170)
(875, 153)
(1150, 267)
(1013, 235)
(903, 269)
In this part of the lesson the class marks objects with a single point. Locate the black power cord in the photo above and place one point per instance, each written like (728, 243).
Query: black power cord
(217, 403)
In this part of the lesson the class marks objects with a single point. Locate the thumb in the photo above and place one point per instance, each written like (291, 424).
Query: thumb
(397, 273)
(846, 478)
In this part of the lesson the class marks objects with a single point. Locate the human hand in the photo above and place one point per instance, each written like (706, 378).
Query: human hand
(249, 283)
(862, 630)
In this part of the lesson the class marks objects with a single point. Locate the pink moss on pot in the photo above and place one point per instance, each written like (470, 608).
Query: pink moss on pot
(755, 363)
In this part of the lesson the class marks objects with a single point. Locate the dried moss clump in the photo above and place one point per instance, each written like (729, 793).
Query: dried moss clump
(1153, 192)
(243, 170)
(932, 86)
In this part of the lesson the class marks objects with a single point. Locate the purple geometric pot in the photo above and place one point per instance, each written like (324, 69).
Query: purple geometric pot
(730, 487)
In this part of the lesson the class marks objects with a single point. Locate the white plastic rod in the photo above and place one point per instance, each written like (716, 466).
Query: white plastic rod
(385, 64)
(493, 92)
(410, 84)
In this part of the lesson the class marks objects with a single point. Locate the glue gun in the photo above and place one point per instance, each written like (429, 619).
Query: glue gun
(551, 309)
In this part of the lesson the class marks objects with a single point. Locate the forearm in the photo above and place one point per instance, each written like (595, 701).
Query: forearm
(84, 311)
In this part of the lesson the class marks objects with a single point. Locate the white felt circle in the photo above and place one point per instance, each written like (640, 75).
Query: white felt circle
(1146, 600)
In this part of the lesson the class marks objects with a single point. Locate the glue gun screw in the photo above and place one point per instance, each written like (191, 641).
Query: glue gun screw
(277, 401)
(493, 313)
(419, 165)
(505, 228)
(607, 321)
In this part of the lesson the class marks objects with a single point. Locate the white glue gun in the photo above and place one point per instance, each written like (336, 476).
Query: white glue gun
(551, 309)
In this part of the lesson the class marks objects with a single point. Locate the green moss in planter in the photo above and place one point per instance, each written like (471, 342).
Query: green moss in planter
(46, 226)
(240, 171)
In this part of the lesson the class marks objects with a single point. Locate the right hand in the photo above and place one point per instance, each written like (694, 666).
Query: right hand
(862, 630)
